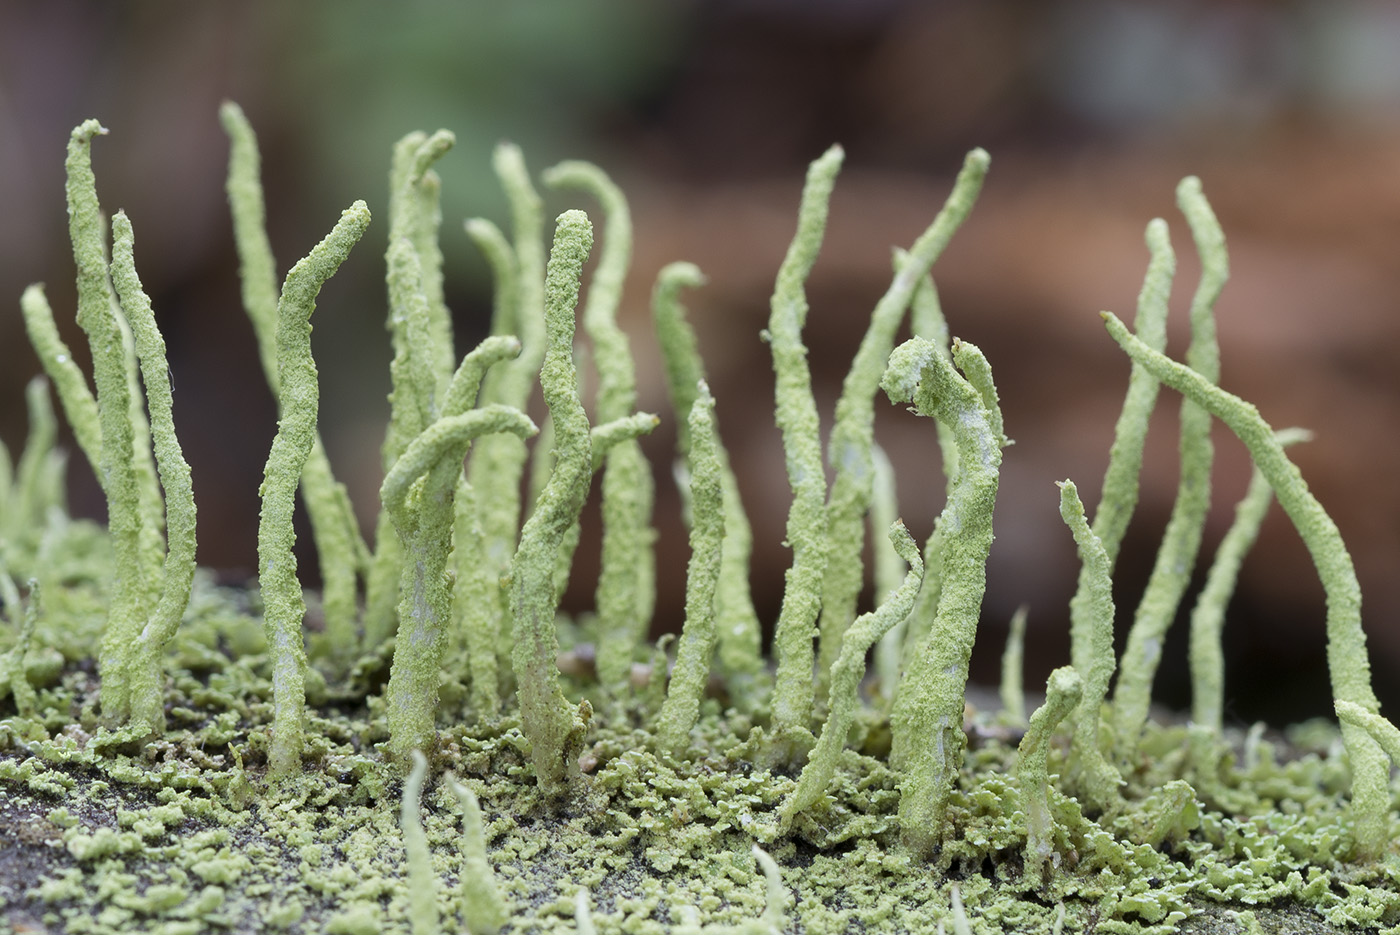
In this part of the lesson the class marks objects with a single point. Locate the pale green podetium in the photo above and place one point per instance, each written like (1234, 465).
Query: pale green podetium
(697, 643)
(852, 432)
(1119, 494)
(626, 580)
(1062, 693)
(298, 398)
(77, 401)
(926, 321)
(423, 916)
(499, 461)
(14, 681)
(927, 717)
(1098, 780)
(844, 697)
(583, 916)
(1013, 696)
(553, 727)
(416, 213)
(339, 546)
(143, 667)
(889, 569)
(421, 335)
(1176, 556)
(476, 608)
(1380, 728)
(33, 486)
(1347, 660)
(128, 521)
(1206, 657)
(480, 899)
(419, 493)
(740, 654)
(797, 418)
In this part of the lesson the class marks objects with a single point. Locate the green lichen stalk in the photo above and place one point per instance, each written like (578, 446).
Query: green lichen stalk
(419, 494)
(1119, 494)
(697, 643)
(477, 600)
(339, 545)
(1062, 693)
(926, 321)
(1013, 656)
(144, 665)
(845, 678)
(1347, 659)
(739, 652)
(797, 418)
(1176, 555)
(1206, 656)
(422, 881)
(852, 433)
(550, 723)
(298, 396)
(31, 487)
(626, 581)
(422, 340)
(499, 461)
(482, 905)
(1098, 780)
(927, 717)
(116, 466)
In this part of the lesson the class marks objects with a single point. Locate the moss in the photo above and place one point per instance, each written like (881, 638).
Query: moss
(225, 783)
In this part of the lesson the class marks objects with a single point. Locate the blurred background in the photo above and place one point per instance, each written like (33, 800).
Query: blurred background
(707, 112)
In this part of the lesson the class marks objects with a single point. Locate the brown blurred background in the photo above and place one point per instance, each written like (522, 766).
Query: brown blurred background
(707, 112)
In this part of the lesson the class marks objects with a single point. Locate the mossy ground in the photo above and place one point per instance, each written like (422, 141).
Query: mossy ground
(104, 835)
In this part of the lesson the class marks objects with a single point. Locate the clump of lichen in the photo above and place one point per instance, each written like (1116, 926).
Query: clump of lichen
(451, 752)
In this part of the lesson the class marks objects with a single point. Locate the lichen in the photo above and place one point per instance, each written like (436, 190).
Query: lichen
(206, 777)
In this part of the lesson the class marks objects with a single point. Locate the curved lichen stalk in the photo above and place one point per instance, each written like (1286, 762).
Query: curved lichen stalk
(1118, 496)
(418, 494)
(927, 717)
(340, 548)
(626, 579)
(1098, 780)
(298, 397)
(549, 722)
(415, 213)
(133, 502)
(852, 433)
(739, 653)
(483, 907)
(1176, 556)
(499, 461)
(1207, 657)
(797, 418)
(33, 485)
(423, 918)
(925, 321)
(421, 335)
(1062, 694)
(697, 642)
(1347, 659)
(143, 666)
(844, 699)
(476, 608)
